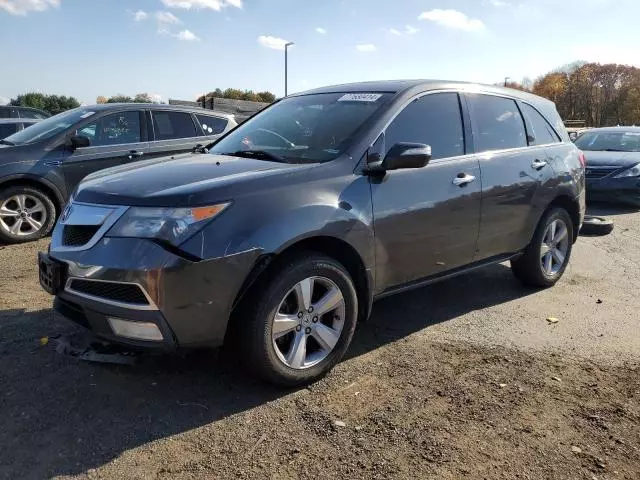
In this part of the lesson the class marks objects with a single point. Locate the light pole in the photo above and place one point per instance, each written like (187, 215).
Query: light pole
(286, 65)
(506, 80)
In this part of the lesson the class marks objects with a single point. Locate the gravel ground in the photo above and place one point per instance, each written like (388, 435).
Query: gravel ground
(463, 379)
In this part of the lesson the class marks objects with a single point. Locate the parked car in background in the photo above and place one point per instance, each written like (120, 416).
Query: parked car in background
(281, 237)
(10, 111)
(9, 126)
(41, 166)
(613, 163)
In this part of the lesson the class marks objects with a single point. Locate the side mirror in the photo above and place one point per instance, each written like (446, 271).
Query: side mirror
(78, 141)
(406, 155)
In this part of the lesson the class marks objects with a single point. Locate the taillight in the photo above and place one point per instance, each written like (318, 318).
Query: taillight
(583, 160)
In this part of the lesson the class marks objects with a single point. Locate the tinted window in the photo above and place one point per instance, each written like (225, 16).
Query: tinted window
(433, 120)
(212, 125)
(170, 125)
(114, 129)
(5, 113)
(7, 129)
(32, 114)
(28, 124)
(542, 131)
(498, 123)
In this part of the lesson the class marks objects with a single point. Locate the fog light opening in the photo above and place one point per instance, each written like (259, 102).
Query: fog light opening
(135, 330)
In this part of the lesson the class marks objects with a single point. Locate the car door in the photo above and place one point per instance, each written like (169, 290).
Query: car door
(174, 132)
(512, 175)
(426, 220)
(115, 139)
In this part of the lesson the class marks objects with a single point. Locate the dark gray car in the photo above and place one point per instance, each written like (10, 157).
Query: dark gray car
(613, 164)
(282, 236)
(40, 166)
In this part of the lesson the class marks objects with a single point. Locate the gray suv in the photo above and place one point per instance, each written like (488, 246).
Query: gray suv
(281, 235)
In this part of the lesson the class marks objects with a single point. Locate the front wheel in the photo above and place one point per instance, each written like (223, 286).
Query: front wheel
(301, 321)
(547, 256)
(26, 214)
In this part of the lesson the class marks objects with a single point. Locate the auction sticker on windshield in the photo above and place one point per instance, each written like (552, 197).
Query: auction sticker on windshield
(360, 97)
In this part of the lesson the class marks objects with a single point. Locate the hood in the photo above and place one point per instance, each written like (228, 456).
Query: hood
(612, 159)
(185, 180)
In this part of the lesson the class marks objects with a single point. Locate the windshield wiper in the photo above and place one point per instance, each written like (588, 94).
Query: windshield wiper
(7, 142)
(260, 154)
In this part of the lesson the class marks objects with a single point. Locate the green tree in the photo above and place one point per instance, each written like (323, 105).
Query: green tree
(143, 98)
(53, 104)
(267, 97)
(119, 98)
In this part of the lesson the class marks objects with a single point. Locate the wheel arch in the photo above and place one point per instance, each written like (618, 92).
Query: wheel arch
(333, 247)
(573, 209)
(41, 184)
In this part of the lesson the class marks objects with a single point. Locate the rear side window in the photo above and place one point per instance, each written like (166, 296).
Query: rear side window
(542, 131)
(173, 125)
(433, 120)
(212, 125)
(498, 123)
(7, 129)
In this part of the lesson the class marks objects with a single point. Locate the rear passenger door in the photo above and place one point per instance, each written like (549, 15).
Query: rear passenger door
(174, 132)
(426, 219)
(513, 174)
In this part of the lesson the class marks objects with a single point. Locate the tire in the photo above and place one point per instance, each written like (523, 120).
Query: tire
(529, 268)
(30, 205)
(274, 359)
(599, 226)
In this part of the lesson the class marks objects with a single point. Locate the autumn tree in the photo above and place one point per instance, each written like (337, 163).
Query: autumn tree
(101, 100)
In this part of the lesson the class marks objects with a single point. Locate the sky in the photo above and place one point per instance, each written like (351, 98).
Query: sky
(182, 48)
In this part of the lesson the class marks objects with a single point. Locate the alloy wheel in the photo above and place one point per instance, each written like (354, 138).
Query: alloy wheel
(22, 215)
(308, 322)
(555, 244)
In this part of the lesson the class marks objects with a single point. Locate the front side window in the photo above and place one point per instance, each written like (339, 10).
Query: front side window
(542, 131)
(303, 129)
(114, 129)
(609, 141)
(433, 120)
(212, 125)
(173, 125)
(498, 122)
(51, 126)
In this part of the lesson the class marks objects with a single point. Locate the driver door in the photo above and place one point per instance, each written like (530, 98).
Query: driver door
(427, 221)
(115, 139)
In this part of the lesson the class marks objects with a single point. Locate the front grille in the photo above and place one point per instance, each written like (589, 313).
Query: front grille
(78, 235)
(116, 292)
(600, 172)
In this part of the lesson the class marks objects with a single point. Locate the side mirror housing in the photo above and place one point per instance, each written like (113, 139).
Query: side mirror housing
(78, 141)
(406, 155)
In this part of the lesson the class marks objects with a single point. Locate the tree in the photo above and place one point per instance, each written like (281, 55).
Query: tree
(266, 97)
(53, 104)
(101, 99)
(143, 98)
(236, 94)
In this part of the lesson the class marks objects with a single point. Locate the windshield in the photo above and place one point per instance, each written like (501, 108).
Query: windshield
(50, 127)
(609, 141)
(306, 129)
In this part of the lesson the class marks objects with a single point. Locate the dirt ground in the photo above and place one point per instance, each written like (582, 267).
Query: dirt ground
(463, 379)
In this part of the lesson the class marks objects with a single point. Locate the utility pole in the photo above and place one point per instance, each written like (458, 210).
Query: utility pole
(286, 67)
(506, 80)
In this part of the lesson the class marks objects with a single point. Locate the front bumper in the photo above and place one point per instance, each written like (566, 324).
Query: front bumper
(623, 190)
(189, 302)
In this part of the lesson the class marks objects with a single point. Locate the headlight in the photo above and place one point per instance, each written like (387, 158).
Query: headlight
(172, 225)
(630, 172)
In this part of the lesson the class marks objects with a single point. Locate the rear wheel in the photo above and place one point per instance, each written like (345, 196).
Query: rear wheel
(26, 214)
(545, 259)
(301, 321)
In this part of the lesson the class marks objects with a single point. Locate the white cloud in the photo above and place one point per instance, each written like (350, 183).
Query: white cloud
(186, 35)
(216, 5)
(140, 15)
(321, 30)
(22, 7)
(167, 18)
(4, 101)
(499, 3)
(453, 19)
(393, 31)
(409, 30)
(272, 42)
(366, 47)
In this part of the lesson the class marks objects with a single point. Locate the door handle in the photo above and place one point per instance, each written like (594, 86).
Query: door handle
(53, 163)
(462, 179)
(538, 164)
(135, 153)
